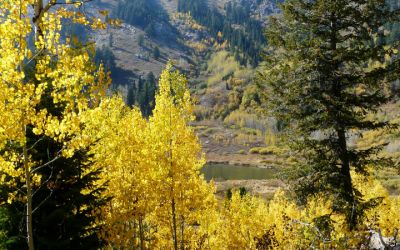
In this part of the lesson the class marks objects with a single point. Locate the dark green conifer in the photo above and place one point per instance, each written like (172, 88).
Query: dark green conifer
(65, 201)
(319, 80)
(131, 97)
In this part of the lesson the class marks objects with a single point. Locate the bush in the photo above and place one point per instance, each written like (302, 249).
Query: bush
(270, 150)
(255, 150)
(201, 113)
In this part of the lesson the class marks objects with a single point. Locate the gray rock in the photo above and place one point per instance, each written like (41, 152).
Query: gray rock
(378, 242)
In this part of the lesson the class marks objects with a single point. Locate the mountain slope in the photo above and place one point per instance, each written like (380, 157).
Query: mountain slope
(178, 36)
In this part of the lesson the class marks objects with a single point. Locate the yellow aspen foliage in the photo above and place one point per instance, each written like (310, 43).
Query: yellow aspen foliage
(247, 222)
(243, 220)
(62, 71)
(120, 150)
(52, 73)
(297, 227)
(384, 217)
(183, 196)
(387, 216)
(152, 167)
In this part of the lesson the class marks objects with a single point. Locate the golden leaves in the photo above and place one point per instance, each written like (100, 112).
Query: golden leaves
(60, 75)
(149, 166)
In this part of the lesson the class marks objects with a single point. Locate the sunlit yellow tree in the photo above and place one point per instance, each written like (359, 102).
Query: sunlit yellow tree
(59, 72)
(152, 167)
(119, 146)
(243, 220)
(183, 195)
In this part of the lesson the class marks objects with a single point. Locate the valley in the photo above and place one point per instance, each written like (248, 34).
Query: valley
(216, 79)
(229, 122)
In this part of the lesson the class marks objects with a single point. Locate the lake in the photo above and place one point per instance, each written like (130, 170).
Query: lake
(232, 172)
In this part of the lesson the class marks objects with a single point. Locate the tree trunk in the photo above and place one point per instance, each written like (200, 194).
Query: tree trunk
(174, 233)
(347, 182)
(182, 233)
(141, 233)
(29, 230)
(343, 151)
(345, 160)
(38, 8)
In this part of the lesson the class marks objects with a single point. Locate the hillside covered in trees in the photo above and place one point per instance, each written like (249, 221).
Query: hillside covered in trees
(299, 97)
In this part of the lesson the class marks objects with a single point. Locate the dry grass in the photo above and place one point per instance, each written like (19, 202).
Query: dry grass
(262, 188)
(241, 119)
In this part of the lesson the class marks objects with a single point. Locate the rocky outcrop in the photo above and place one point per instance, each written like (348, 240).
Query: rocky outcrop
(378, 242)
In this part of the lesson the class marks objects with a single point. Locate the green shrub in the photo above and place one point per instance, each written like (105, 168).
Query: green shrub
(255, 150)
(271, 150)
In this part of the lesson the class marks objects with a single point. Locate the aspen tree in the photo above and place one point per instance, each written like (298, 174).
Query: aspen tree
(61, 71)
(120, 149)
(183, 195)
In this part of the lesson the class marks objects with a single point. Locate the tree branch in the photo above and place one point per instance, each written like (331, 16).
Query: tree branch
(34, 144)
(47, 163)
(43, 201)
(52, 3)
(45, 182)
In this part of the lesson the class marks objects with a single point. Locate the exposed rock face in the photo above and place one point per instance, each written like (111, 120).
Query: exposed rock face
(378, 242)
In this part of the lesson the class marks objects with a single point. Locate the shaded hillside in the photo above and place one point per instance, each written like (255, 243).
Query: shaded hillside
(150, 16)
(235, 23)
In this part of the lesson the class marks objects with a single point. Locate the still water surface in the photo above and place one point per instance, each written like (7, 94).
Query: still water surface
(230, 172)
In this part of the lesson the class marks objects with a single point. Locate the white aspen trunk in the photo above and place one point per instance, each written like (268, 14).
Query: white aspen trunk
(29, 230)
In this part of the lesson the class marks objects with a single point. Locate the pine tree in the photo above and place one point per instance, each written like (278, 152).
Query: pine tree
(131, 97)
(145, 100)
(11, 221)
(141, 40)
(64, 202)
(67, 219)
(151, 91)
(146, 94)
(156, 53)
(106, 57)
(326, 69)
